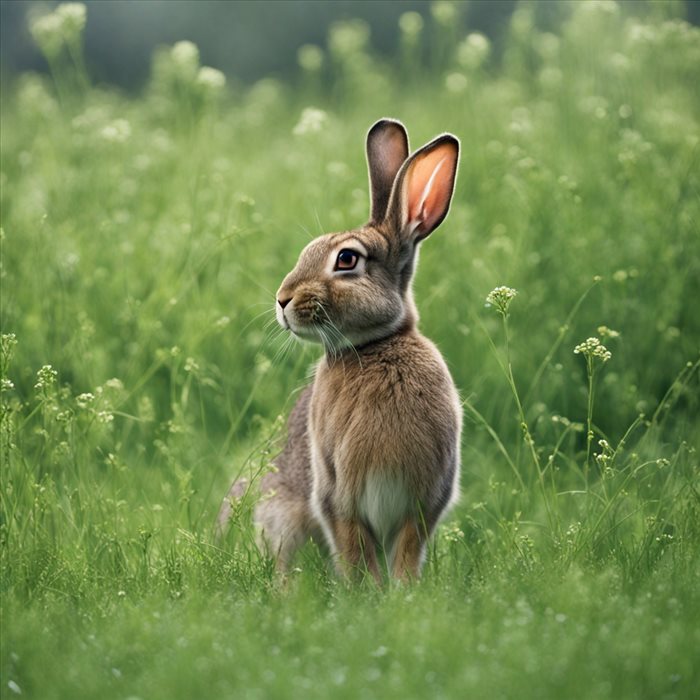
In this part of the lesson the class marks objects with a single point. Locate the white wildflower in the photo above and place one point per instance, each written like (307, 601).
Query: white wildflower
(184, 56)
(105, 417)
(473, 51)
(547, 45)
(185, 53)
(64, 25)
(310, 58)
(73, 16)
(605, 332)
(592, 348)
(603, 7)
(452, 533)
(84, 400)
(620, 63)
(211, 78)
(312, 121)
(550, 77)
(45, 378)
(117, 131)
(411, 23)
(456, 82)
(348, 38)
(7, 342)
(443, 12)
(115, 384)
(500, 297)
(625, 111)
(47, 32)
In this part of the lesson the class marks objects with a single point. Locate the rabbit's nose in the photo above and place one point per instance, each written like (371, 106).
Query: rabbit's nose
(284, 302)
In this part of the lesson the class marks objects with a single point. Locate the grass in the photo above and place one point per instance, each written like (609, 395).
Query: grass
(142, 241)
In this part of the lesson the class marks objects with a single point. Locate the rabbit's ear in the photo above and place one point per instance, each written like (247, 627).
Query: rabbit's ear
(423, 189)
(387, 149)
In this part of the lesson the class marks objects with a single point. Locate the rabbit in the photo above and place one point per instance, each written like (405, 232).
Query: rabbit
(372, 458)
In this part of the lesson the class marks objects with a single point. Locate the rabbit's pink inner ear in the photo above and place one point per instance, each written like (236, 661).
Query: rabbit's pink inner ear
(430, 182)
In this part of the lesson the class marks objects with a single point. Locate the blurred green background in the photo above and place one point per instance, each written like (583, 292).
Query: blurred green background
(155, 191)
(247, 39)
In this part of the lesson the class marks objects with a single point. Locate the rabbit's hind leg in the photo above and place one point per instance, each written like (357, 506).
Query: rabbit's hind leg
(409, 550)
(356, 551)
(285, 525)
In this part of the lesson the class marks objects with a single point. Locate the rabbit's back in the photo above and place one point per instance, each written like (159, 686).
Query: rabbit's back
(283, 512)
(293, 465)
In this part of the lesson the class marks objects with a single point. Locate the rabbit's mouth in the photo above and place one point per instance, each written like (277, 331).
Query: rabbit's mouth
(303, 316)
(298, 324)
(307, 317)
(325, 333)
(307, 333)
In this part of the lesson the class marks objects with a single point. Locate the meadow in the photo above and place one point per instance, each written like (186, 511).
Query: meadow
(143, 238)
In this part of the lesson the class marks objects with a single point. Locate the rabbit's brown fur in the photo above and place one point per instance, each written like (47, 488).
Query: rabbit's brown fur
(372, 456)
(283, 511)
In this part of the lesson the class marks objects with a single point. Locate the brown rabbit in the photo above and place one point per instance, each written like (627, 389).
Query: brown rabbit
(372, 455)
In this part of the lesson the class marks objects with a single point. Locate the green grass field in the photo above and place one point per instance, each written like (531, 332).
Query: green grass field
(143, 239)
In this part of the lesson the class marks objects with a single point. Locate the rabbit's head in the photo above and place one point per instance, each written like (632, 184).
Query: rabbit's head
(354, 287)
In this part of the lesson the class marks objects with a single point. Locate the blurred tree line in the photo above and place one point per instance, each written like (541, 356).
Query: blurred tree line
(247, 39)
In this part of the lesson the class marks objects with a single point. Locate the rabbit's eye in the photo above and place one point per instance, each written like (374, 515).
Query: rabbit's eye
(346, 260)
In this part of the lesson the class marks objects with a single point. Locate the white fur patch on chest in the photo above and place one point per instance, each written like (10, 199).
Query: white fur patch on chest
(384, 504)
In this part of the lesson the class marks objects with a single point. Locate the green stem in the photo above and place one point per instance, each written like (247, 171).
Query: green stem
(524, 426)
(589, 418)
(75, 50)
(607, 505)
(560, 338)
(666, 403)
(498, 442)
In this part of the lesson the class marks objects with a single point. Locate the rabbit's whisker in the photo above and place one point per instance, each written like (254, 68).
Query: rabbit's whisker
(255, 318)
(345, 340)
(271, 337)
(282, 350)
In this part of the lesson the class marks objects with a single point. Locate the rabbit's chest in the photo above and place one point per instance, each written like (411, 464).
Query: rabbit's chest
(384, 503)
(388, 405)
(384, 434)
